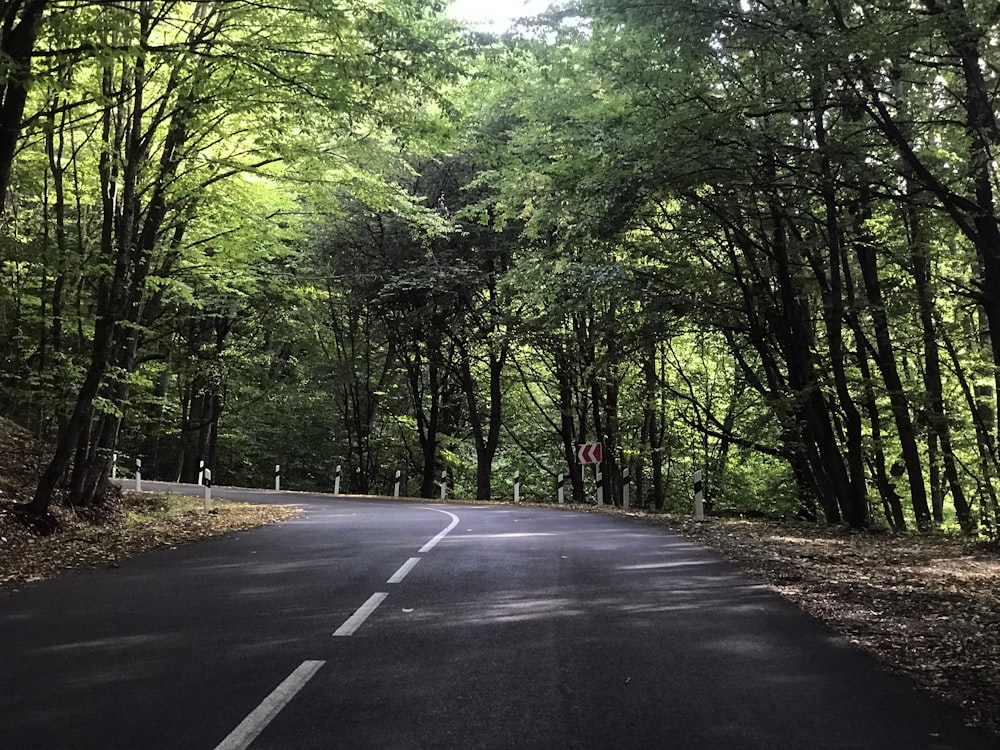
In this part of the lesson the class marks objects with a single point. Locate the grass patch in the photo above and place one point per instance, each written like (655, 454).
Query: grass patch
(160, 506)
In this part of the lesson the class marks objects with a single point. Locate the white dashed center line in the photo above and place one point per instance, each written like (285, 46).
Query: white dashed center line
(405, 568)
(364, 611)
(354, 621)
(248, 729)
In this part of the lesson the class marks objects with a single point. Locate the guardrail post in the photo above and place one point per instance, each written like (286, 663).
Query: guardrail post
(208, 488)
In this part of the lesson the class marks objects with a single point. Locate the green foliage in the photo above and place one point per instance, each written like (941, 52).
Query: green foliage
(750, 239)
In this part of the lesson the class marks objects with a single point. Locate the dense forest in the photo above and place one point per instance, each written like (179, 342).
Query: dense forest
(753, 238)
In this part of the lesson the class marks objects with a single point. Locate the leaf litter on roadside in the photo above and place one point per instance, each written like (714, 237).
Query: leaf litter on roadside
(139, 522)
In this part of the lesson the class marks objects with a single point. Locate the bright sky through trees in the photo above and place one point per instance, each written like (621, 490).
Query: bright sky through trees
(495, 14)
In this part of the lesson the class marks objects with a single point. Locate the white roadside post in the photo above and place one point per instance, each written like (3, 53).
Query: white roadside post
(444, 484)
(561, 489)
(395, 487)
(599, 481)
(208, 489)
(336, 481)
(201, 472)
(699, 497)
(277, 477)
(114, 465)
(626, 488)
(517, 487)
(138, 475)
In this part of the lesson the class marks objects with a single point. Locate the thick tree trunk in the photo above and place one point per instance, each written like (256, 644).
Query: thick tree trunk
(824, 454)
(18, 34)
(891, 502)
(69, 434)
(794, 338)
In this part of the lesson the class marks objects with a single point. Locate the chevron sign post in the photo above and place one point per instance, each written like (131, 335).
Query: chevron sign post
(588, 453)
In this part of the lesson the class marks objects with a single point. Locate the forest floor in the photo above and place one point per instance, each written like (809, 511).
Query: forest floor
(127, 525)
(925, 605)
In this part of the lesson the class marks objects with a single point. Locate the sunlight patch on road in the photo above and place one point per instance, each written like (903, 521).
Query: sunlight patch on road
(663, 565)
(124, 641)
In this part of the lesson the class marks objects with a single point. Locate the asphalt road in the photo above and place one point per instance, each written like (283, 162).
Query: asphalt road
(368, 624)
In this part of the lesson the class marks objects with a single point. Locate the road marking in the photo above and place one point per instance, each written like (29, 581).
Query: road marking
(365, 610)
(241, 737)
(405, 568)
(433, 542)
(510, 535)
(354, 621)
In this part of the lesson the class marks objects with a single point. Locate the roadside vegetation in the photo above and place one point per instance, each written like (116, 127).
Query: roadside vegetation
(752, 240)
(126, 524)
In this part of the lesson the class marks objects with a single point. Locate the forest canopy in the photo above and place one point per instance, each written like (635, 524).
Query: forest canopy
(758, 240)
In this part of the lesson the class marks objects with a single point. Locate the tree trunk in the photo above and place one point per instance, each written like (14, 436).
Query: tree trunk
(894, 385)
(17, 43)
(485, 433)
(855, 506)
(653, 424)
(939, 429)
(987, 455)
(567, 424)
(891, 502)
(69, 434)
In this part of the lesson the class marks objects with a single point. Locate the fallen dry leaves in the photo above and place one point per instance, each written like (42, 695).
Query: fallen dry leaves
(128, 524)
(129, 529)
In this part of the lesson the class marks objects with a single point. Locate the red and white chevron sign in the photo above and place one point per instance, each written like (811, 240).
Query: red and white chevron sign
(588, 453)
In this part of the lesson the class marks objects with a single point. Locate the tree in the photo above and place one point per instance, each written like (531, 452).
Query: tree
(181, 100)
(18, 36)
